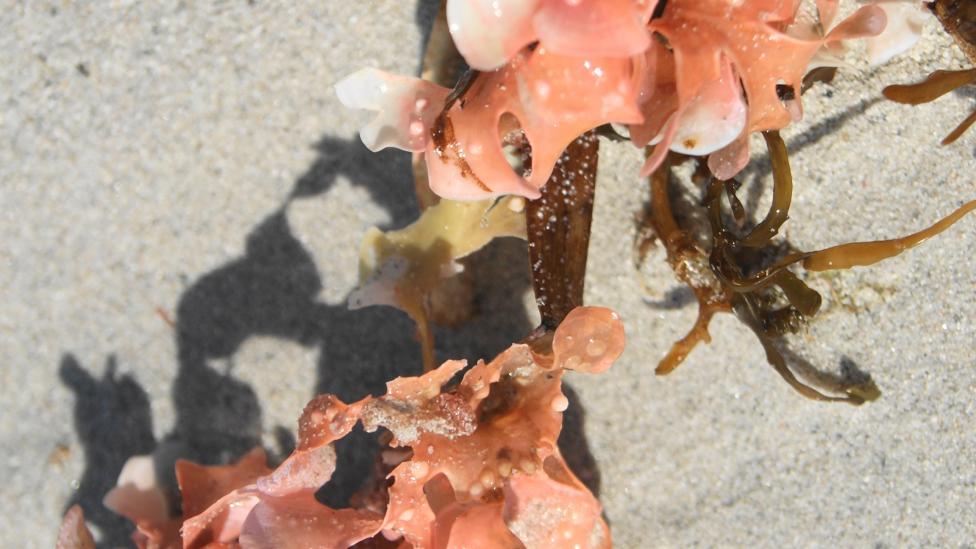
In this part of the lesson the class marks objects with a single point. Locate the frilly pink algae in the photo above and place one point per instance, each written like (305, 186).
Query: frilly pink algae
(471, 464)
(74, 534)
(589, 342)
(548, 97)
(139, 496)
(488, 33)
(405, 108)
(905, 22)
(692, 76)
(753, 40)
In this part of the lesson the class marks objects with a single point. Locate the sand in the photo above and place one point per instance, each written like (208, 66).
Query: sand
(182, 202)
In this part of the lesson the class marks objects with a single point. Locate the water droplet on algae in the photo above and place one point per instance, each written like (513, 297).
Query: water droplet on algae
(595, 347)
(559, 403)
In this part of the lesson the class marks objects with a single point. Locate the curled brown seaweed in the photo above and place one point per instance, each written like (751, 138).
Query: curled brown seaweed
(958, 18)
(731, 276)
(934, 86)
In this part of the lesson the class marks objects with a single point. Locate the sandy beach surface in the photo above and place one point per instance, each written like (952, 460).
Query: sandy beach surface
(182, 199)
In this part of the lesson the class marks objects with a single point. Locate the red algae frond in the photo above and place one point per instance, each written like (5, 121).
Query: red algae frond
(694, 76)
(73, 533)
(589, 340)
(482, 458)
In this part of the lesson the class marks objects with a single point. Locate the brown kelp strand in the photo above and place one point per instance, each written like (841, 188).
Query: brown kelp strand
(558, 229)
(806, 300)
(690, 265)
(717, 277)
(724, 244)
(959, 130)
(738, 210)
(749, 313)
(933, 87)
(738, 282)
(860, 254)
(782, 193)
(958, 18)
(755, 307)
(936, 85)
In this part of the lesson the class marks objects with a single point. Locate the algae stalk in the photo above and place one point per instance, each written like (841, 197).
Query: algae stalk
(558, 229)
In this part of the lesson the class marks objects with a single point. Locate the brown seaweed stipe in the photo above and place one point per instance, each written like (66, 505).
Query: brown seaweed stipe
(860, 254)
(558, 230)
(958, 18)
(782, 194)
(719, 281)
(690, 265)
(934, 86)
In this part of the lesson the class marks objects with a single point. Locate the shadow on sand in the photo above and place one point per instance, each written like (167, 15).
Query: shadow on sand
(272, 290)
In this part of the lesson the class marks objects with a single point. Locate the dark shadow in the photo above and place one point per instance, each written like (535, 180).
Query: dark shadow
(573, 445)
(424, 17)
(848, 374)
(829, 125)
(673, 300)
(967, 91)
(272, 290)
(355, 462)
(113, 421)
(385, 175)
(501, 278)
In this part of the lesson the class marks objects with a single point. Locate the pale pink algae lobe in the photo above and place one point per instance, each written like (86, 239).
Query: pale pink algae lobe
(589, 340)
(74, 534)
(405, 107)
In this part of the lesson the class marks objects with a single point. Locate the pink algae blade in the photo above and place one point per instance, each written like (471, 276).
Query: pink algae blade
(74, 534)
(589, 340)
(482, 464)
(489, 33)
(551, 98)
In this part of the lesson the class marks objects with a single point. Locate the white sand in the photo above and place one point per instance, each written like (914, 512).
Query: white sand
(148, 156)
